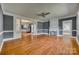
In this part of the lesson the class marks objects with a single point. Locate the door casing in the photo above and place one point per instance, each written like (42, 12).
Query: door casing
(67, 27)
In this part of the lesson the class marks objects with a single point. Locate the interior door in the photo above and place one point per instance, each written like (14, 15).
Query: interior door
(67, 29)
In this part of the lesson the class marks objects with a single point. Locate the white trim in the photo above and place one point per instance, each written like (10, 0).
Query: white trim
(8, 31)
(77, 20)
(1, 45)
(42, 33)
(66, 16)
(60, 35)
(1, 33)
(77, 40)
(10, 39)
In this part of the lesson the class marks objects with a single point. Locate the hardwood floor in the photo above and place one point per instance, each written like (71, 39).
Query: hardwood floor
(40, 45)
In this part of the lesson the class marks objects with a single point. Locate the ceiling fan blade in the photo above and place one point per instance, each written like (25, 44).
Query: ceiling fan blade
(43, 14)
(47, 13)
(39, 14)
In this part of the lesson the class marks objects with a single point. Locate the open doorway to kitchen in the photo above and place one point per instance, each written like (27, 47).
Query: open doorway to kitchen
(26, 27)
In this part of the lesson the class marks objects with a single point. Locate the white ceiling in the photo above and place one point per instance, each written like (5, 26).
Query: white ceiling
(30, 10)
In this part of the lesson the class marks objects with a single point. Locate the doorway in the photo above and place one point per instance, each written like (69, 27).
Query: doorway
(67, 27)
(26, 27)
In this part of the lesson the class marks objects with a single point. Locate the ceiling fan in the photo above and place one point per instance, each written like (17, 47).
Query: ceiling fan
(43, 14)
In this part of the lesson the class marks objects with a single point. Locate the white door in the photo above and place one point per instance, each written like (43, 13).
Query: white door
(67, 29)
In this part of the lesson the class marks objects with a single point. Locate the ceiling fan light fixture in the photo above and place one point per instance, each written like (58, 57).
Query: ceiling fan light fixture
(43, 14)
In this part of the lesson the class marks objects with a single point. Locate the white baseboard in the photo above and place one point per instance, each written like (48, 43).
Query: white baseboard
(60, 35)
(77, 40)
(1, 45)
(4, 40)
(42, 33)
(10, 39)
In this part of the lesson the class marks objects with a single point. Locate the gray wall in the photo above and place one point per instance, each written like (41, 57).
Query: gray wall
(7, 22)
(40, 25)
(43, 26)
(46, 25)
(1, 24)
(7, 26)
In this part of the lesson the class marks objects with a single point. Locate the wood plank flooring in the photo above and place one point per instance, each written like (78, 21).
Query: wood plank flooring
(40, 45)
